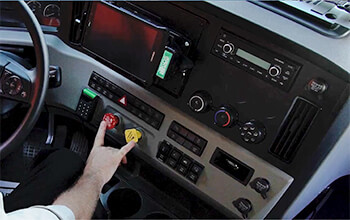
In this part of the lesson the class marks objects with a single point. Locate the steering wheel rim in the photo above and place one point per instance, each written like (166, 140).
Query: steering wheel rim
(39, 85)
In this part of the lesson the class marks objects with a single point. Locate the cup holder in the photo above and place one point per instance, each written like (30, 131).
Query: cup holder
(157, 215)
(123, 203)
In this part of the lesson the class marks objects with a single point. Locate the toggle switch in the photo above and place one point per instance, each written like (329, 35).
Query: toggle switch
(132, 135)
(112, 120)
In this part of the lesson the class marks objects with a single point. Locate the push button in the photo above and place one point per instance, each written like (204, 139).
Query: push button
(191, 136)
(317, 86)
(197, 169)
(175, 154)
(182, 170)
(111, 120)
(192, 177)
(132, 135)
(163, 151)
(185, 161)
(171, 162)
(200, 142)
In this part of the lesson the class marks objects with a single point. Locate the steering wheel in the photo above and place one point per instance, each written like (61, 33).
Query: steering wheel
(28, 86)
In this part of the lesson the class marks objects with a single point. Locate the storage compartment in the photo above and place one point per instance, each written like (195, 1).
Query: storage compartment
(231, 166)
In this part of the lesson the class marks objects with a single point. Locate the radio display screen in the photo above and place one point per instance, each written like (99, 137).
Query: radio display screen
(253, 59)
(128, 42)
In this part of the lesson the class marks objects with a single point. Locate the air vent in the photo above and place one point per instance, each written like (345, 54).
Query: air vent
(80, 12)
(294, 129)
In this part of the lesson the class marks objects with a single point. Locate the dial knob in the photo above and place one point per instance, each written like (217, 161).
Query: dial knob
(200, 101)
(275, 71)
(228, 48)
(243, 205)
(112, 120)
(261, 185)
(225, 116)
(12, 85)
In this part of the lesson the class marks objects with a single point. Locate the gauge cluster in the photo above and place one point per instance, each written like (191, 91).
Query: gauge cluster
(47, 12)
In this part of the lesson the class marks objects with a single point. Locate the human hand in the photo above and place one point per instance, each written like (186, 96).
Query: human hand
(103, 161)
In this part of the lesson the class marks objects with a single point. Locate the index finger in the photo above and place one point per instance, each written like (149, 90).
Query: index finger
(100, 136)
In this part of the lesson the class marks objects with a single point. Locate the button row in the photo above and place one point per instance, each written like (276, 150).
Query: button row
(129, 102)
(179, 161)
(186, 138)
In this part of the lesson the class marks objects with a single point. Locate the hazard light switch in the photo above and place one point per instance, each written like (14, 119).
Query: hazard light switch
(123, 101)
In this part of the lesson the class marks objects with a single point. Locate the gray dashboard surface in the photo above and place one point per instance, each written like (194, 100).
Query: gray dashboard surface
(214, 184)
(335, 50)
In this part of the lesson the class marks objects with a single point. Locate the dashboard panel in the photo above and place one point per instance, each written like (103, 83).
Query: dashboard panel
(231, 111)
(253, 91)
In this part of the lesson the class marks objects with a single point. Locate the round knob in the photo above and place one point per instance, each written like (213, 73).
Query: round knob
(12, 85)
(111, 120)
(252, 132)
(200, 101)
(275, 71)
(228, 48)
(261, 185)
(243, 205)
(225, 117)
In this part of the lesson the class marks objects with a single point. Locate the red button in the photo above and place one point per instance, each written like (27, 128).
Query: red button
(111, 120)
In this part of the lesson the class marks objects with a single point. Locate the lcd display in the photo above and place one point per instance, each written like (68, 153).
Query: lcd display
(253, 59)
(126, 41)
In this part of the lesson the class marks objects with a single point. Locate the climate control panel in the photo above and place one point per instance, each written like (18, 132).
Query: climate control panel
(226, 116)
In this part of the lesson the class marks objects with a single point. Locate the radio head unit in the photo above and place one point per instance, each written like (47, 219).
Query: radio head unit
(270, 67)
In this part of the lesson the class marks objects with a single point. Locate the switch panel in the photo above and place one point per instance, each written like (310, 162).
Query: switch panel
(187, 138)
(177, 160)
(129, 102)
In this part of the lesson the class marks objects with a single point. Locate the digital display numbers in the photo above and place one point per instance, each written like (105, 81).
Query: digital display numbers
(253, 59)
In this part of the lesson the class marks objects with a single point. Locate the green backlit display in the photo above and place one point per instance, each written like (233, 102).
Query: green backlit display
(253, 59)
(164, 64)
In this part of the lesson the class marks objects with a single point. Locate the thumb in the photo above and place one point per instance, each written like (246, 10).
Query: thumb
(124, 150)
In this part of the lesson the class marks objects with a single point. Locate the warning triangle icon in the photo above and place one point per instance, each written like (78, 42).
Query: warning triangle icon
(123, 100)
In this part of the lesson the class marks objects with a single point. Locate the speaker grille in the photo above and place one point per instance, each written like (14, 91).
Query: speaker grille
(294, 129)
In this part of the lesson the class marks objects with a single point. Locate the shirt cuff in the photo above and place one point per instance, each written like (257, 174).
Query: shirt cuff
(61, 211)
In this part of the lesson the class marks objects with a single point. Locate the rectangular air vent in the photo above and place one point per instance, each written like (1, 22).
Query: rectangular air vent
(294, 129)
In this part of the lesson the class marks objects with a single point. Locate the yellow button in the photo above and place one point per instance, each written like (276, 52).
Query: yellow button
(132, 135)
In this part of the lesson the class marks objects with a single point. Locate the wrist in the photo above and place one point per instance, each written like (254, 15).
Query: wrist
(94, 179)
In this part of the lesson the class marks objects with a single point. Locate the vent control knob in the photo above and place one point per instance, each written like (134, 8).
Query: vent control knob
(243, 205)
(225, 117)
(260, 185)
(200, 101)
